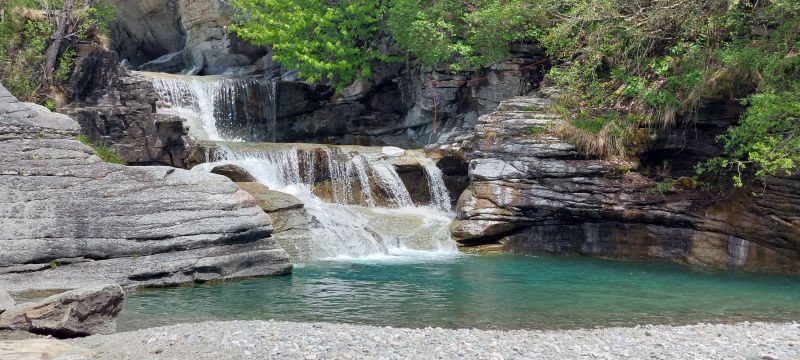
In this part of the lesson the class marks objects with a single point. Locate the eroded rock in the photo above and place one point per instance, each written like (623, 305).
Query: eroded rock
(81, 312)
(233, 172)
(71, 220)
(290, 220)
(531, 191)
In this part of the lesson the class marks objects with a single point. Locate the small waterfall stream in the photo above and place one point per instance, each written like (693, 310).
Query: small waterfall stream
(220, 108)
(357, 202)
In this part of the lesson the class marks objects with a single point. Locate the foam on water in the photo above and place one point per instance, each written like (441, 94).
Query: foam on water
(348, 226)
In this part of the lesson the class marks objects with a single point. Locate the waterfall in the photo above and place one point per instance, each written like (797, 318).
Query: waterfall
(440, 196)
(391, 182)
(341, 192)
(358, 204)
(220, 108)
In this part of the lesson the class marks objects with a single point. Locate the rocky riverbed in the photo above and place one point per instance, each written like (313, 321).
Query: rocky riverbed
(285, 340)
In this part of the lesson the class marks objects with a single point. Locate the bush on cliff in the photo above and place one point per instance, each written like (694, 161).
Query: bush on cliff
(30, 40)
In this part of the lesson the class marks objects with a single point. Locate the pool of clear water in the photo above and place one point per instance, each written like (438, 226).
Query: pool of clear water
(479, 291)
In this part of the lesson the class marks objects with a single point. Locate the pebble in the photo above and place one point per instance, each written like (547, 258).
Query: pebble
(287, 340)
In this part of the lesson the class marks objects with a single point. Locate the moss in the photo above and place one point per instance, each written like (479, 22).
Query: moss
(105, 153)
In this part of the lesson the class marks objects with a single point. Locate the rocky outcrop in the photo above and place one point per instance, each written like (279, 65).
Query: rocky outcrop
(71, 220)
(396, 106)
(289, 219)
(184, 36)
(42, 349)
(118, 108)
(532, 192)
(82, 312)
(148, 29)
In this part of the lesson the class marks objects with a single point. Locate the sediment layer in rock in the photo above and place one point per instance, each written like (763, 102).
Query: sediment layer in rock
(72, 220)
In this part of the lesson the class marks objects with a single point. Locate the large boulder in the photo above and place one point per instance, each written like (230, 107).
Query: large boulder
(81, 312)
(533, 192)
(71, 220)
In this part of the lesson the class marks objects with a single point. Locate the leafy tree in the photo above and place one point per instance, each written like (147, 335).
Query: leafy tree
(464, 34)
(334, 42)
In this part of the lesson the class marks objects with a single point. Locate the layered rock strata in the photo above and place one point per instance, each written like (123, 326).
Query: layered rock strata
(118, 108)
(532, 192)
(71, 220)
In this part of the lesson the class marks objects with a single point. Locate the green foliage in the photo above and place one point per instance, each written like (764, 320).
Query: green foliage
(64, 69)
(636, 58)
(321, 41)
(105, 153)
(54, 264)
(337, 41)
(664, 187)
(25, 34)
(463, 35)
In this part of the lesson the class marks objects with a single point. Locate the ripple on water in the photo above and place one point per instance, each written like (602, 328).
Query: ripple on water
(447, 289)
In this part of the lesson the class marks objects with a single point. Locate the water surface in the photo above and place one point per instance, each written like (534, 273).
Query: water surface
(481, 291)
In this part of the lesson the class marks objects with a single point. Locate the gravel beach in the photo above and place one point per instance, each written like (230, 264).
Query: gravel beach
(286, 340)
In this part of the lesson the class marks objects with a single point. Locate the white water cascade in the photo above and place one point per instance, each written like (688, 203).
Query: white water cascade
(357, 202)
(365, 211)
(219, 108)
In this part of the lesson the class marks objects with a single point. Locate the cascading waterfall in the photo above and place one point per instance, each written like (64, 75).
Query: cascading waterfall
(220, 108)
(347, 227)
(357, 203)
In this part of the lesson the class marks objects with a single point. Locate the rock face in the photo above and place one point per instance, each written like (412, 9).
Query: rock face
(118, 108)
(71, 220)
(147, 29)
(184, 35)
(289, 219)
(82, 312)
(531, 192)
(396, 106)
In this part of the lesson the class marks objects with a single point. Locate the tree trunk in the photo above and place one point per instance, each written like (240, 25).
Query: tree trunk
(55, 46)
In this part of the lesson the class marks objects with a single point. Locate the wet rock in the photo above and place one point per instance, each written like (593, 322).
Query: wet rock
(6, 301)
(290, 220)
(71, 220)
(81, 312)
(233, 172)
(42, 349)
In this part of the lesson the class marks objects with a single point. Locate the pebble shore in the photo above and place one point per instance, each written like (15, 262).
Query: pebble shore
(287, 340)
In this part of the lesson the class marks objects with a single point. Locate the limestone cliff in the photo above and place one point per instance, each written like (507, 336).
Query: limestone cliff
(532, 192)
(70, 220)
